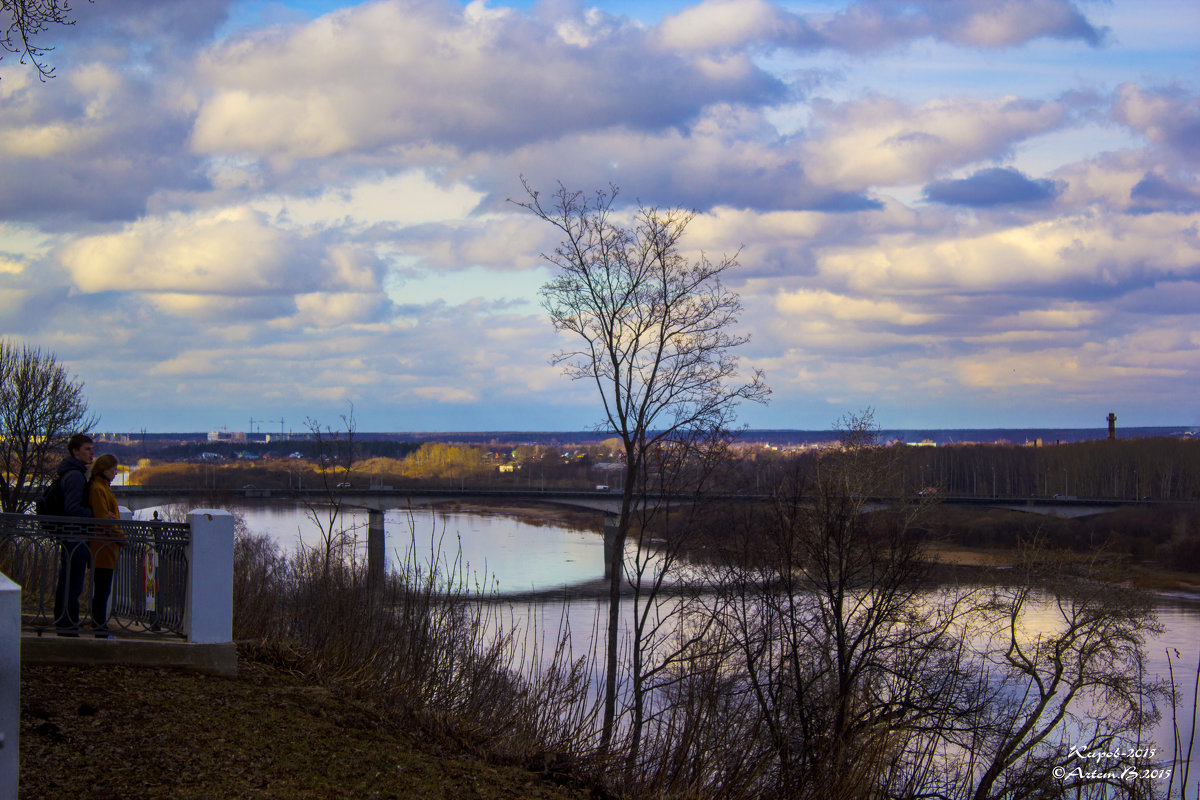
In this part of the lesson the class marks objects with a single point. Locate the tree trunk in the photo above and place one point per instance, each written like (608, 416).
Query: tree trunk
(616, 573)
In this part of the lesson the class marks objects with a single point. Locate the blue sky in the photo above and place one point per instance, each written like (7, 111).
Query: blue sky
(976, 213)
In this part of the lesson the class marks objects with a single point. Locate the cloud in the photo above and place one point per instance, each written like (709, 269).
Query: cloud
(722, 25)
(1156, 192)
(993, 187)
(1068, 317)
(1079, 254)
(93, 143)
(445, 394)
(219, 309)
(268, 209)
(1167, 117)
(407, 197)
(459, 76)
(1090, 366)
(871, 25)
(880, 141)
(150, 32)
(230, 252)
(729, 156)
(841, 308)
(875, 25)
(332, 309)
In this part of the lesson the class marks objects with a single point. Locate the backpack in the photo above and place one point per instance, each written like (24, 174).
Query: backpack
(52, 502)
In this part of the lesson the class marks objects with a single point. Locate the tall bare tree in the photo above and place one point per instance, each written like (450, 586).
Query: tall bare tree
(653, 332)
(41, 405)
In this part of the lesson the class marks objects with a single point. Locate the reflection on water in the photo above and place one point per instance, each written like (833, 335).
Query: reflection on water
(504, 552)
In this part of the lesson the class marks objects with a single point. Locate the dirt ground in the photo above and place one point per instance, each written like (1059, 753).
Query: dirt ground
(151, 734)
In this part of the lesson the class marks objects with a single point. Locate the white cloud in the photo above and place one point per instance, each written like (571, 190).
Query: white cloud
(841, 308)
(1089, 250)
(326, 309)
(878, 141)
(433, 71)
(407, 198)
(228, 252)
(726, 24)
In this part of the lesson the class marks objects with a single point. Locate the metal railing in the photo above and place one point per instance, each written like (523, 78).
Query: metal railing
(55, 557)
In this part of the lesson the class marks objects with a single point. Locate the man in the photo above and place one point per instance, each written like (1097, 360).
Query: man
(72, 477)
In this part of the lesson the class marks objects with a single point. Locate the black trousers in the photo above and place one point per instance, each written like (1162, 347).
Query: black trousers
(72, 564)
(102, 579)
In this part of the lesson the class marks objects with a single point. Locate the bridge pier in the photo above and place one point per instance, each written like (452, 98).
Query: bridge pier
(375, 545)
(611, 526)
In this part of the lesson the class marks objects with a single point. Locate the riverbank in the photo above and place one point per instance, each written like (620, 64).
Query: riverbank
(147, 734)
(965, 561)
(964, 542)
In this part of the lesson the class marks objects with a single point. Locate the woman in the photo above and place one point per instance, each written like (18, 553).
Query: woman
(107, 540)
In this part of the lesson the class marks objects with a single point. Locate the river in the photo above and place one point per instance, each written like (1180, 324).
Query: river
(515, 557)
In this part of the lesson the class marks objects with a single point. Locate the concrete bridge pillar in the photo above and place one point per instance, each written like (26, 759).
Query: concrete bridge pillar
(611, 526)
(375, 544)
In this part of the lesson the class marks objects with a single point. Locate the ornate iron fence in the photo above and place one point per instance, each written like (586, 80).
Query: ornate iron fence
(58, 560)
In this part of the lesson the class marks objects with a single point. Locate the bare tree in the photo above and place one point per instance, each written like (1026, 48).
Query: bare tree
(654, 335)
(336, 457)
(24, 21)
(41, 405)
(1066, 671)
(848, 655)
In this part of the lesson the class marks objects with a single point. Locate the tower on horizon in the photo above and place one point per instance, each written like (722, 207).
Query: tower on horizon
(1112, 425)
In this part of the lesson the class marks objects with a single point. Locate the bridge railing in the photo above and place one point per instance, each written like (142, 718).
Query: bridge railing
(149, 580)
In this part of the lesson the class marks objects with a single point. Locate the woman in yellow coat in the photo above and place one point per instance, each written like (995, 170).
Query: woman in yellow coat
(107, 541)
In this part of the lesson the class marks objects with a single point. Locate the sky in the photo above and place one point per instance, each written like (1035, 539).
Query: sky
(959, 213)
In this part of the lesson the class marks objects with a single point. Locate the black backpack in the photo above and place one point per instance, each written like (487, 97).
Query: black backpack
(52, 502)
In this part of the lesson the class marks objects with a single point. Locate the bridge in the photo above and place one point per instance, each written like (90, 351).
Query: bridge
(608, 502)
(385, 499)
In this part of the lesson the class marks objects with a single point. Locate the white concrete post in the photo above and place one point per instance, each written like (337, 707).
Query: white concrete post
(208, 613)
(10, 684)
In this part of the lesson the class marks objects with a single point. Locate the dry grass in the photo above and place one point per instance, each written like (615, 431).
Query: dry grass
(151, 734)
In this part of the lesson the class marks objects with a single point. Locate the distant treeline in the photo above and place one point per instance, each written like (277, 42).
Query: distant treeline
(163, 444)
(1127, 469)
(1159, 468)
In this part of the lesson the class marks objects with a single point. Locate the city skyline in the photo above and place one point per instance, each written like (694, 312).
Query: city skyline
(970, 215)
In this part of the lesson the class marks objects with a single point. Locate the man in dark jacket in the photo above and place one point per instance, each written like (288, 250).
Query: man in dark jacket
(72, 476)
